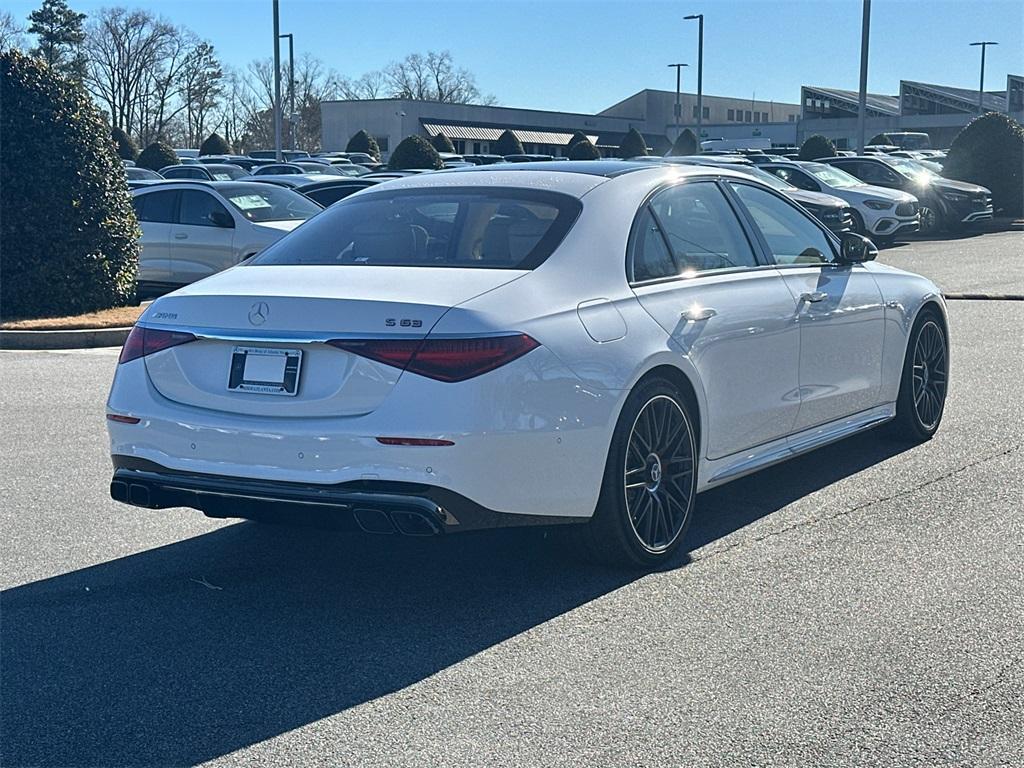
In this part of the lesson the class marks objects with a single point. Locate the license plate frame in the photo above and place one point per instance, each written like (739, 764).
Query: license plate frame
(265, 362)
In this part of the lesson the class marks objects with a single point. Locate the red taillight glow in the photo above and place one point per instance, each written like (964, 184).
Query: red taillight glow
(144, 341)
(414, 441)
(122, 419)
(447, 360)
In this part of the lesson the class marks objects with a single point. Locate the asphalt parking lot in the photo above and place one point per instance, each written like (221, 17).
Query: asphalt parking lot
(861, 605)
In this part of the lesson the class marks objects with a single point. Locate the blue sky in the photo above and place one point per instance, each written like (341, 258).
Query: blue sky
(583, 56)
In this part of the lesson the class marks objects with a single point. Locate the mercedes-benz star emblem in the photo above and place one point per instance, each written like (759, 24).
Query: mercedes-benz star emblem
(258, 313)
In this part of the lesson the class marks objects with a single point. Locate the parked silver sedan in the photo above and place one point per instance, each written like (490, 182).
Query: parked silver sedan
(191, 230)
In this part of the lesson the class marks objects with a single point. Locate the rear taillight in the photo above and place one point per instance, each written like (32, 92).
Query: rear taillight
(446, 360)
(144, 341)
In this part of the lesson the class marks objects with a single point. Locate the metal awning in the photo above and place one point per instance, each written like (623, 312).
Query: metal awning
(465, 132)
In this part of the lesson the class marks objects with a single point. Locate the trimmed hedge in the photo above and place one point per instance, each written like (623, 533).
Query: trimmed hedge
(124, 145)
(363, 142)
(633, 144)
(214, 145)
(816, 147)
(507, 144)
(415, 152)
(156, 156)
(685, 145)
(69, 234)
(880, 138)
(584, 150)
(990, 151)
(577, 137)
(442, 143)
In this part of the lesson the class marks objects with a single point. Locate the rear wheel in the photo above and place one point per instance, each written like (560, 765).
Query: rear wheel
(858, 224)
(649, 488)
(922, 398)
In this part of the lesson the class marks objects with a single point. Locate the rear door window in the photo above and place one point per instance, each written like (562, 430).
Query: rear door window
(156, 207)
(467, 227)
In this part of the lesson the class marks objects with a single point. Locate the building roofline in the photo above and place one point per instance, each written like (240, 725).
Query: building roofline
(464, 104)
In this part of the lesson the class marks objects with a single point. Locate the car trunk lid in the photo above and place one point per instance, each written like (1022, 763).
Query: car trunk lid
(272, 310)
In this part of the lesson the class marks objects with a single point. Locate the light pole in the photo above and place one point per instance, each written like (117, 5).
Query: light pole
(277, 83)
(981, 85)
(862, 99)
(700, 70)
(679, 106)
(291, 84)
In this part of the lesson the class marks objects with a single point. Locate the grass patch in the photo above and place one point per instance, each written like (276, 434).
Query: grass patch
(118, 317)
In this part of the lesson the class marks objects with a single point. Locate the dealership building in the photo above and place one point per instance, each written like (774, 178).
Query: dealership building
(472, 128)
(940, 111)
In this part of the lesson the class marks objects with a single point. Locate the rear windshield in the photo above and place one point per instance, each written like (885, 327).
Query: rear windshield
(465, 227)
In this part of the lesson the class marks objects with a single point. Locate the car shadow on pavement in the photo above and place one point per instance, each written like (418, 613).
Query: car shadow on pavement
(190, 651)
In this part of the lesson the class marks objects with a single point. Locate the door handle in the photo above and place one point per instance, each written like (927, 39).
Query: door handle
(180, 236)
(697, 314)
(813, 297)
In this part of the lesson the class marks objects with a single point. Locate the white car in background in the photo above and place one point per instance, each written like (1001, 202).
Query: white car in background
(881, 214)
(191, 230)
(559, 342)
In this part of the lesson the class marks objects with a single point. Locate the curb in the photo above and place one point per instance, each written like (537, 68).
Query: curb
(78, 339)
(983, 296)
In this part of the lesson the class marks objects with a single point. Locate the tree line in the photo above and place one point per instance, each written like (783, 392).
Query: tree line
(158, 81)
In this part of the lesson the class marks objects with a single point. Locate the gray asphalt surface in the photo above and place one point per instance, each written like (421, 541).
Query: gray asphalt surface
(969, 263)
(859, 606)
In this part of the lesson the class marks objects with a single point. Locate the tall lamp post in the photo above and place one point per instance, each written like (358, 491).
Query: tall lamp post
(277, 82)
(981, 85)
(700, 70)
(862, 96)
(291, 85)
(679, 106)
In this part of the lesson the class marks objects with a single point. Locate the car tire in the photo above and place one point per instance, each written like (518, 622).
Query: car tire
(924, 381)
(931, 220)
(858, 224)
(649, 488)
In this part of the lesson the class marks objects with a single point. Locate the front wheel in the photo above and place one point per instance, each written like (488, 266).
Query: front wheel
(931, 220)
(649, 487)
(922, 397)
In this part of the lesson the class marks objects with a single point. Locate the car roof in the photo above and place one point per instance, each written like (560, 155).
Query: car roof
(339, 181)
(573, 177)
(201, 184)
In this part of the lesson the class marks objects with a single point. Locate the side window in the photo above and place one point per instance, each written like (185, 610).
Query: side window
(803, 181)
(156, 207)
(199, 209)
(792, 237)
(874, 173)
(701, 228)
(651, 259)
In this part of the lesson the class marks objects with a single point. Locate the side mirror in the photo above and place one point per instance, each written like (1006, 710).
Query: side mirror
(222, 219)
(855, 249)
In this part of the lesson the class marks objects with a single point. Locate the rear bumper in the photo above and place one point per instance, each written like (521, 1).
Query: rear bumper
(406, 508)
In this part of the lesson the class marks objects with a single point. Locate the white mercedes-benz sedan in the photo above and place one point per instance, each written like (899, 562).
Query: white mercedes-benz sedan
(564, 342)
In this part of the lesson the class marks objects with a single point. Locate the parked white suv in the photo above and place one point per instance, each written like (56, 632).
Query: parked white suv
(190, 230)
(879, 213)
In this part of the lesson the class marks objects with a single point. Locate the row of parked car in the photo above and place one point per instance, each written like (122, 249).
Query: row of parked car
(212, 212)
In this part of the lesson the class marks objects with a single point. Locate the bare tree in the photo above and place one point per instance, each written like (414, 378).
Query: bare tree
(200, 88)
(126, 53)
(372, 85)
(12, 34)
(433, 77)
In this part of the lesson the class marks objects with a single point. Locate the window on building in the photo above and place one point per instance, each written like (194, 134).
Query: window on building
(732, 115)
(476, 148)
(764, 117)
(757, 117)
(460, 146)
(707, 112)
(694, 110)
(792, 118)
(748, 117)
(382, 143)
